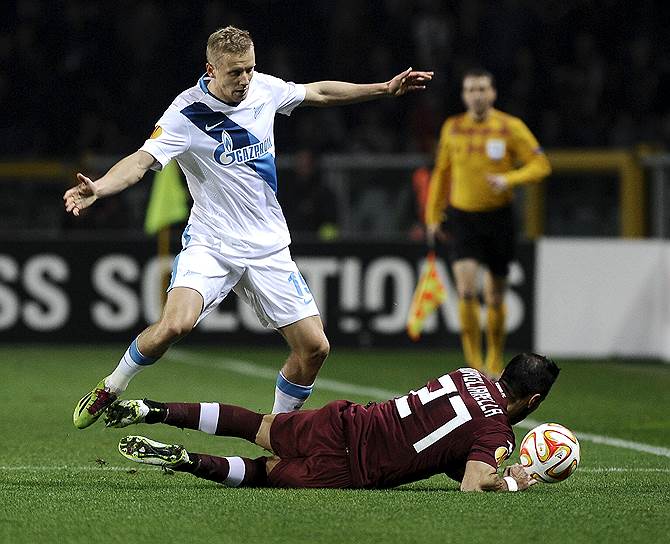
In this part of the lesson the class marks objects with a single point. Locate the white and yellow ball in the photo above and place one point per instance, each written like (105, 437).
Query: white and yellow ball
(550, 453)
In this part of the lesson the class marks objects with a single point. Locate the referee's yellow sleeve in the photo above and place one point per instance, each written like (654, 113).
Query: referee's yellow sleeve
(528, 152)
(439, 180)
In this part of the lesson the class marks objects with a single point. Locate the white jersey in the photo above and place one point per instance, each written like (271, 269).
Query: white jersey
(228, 156)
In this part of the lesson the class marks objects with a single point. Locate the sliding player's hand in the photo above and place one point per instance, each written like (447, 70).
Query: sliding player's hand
(81, 196)
(523, 480)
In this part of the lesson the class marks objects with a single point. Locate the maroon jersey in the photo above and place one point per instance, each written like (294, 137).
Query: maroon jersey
(458, 417)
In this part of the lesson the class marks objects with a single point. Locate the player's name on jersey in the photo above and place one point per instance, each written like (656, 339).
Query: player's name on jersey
(479, 392)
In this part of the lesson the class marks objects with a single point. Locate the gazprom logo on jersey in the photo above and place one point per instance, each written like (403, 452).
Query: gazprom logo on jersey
(225, 155)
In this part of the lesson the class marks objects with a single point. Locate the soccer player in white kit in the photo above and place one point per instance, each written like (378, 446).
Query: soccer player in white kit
(220, 132)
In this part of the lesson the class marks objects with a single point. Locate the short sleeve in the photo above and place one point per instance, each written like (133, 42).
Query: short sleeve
(285, 94)
(170, 138)
(492, 447)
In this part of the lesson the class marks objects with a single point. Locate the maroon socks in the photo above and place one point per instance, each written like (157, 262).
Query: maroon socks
(214, 418)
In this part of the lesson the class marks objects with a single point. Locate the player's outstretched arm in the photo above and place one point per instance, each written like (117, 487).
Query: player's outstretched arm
(338, 93)
(123, 174)
(481, 476)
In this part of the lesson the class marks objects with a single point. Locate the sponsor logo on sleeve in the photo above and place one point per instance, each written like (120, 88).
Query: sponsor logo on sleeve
(501, 454)
(156, 133)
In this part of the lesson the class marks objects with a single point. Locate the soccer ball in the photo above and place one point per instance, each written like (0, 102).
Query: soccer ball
(549, 453)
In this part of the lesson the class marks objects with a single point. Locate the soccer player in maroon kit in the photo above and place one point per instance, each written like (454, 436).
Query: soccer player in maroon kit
(459, 424)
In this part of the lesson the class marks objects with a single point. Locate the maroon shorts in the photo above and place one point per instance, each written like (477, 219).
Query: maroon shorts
(312, 448)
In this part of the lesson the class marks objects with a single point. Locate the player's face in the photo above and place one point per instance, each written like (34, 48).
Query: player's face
(478, 95)
(232, 75)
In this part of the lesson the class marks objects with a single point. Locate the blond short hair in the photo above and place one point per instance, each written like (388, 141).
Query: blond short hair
(227, 40)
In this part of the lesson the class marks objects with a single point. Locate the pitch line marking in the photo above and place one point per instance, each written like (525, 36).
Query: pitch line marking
(622, 469)
(247, 368)
(257, 371)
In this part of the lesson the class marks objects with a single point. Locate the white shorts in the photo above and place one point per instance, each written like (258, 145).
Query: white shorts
(272, 285)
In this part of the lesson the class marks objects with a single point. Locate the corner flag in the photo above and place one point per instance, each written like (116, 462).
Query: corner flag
(428, 296)
(168, 200)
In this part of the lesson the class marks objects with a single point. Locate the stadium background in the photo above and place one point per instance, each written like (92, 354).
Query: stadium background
(82, 83)
(85, 81)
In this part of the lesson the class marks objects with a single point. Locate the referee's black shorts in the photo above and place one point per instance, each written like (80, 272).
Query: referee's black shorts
(488, 237)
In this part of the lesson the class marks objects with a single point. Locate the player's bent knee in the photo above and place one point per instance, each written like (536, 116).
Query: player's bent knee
(174, 329)
(320, 350)
(315, 353)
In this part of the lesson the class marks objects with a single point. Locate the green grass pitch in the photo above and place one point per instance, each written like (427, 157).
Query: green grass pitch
(60, 484)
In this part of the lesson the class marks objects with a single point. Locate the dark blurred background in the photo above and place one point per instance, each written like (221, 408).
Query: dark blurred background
(83, 82)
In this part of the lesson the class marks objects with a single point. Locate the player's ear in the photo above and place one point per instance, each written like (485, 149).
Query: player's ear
(534, 401)
(210, 69)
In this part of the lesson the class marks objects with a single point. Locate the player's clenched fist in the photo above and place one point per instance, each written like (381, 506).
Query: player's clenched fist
(80, 196)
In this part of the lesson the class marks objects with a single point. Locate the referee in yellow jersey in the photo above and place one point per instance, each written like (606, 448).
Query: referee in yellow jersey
(482, 155)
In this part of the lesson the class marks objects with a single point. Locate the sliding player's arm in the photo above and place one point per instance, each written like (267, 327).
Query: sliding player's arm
(339, 93)
(122, 175)
(480, 476)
